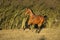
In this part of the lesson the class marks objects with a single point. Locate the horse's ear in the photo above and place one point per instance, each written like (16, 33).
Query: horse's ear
(26, 8)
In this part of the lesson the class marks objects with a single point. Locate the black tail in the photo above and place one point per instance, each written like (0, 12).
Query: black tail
(45, 17)
(45, 21)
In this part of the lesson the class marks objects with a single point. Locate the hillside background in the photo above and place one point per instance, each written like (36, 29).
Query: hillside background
(12, 12)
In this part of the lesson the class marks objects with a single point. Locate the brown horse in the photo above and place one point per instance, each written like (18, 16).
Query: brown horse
(34, 19)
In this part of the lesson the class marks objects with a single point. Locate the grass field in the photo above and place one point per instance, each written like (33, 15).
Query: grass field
(12, 18)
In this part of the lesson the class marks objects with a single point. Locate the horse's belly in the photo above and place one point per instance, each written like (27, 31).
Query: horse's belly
(36, 21)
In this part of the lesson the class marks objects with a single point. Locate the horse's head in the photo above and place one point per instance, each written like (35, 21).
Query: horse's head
(28, 11)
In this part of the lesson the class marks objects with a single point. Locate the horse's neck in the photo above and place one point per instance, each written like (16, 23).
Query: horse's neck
(32, 15)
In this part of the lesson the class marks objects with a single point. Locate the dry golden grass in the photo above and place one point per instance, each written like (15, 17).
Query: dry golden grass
(45, 34)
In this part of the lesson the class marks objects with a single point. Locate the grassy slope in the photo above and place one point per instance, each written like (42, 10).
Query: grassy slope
(12, 12)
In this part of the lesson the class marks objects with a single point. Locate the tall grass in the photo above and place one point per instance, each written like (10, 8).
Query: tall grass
(11, 16)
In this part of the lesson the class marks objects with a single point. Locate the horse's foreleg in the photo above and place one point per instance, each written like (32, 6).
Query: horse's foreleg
(24, 28)
(29, 24)
(29, 27)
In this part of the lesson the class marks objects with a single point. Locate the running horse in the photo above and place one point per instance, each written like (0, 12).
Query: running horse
(34, 19)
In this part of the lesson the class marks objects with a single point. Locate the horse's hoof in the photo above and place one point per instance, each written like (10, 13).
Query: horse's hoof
(29, 28)
(38, 32)
(23, 28)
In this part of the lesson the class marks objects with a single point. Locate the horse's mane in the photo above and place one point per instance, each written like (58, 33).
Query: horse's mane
(31, 10)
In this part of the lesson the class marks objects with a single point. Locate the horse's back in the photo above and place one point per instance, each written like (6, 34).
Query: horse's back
(37, 19)
(40, 17)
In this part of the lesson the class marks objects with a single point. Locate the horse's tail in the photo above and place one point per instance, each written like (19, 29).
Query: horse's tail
(45, 21)
(45, 17)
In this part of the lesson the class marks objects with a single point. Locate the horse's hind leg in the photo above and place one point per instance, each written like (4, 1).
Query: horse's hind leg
(38, 29)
